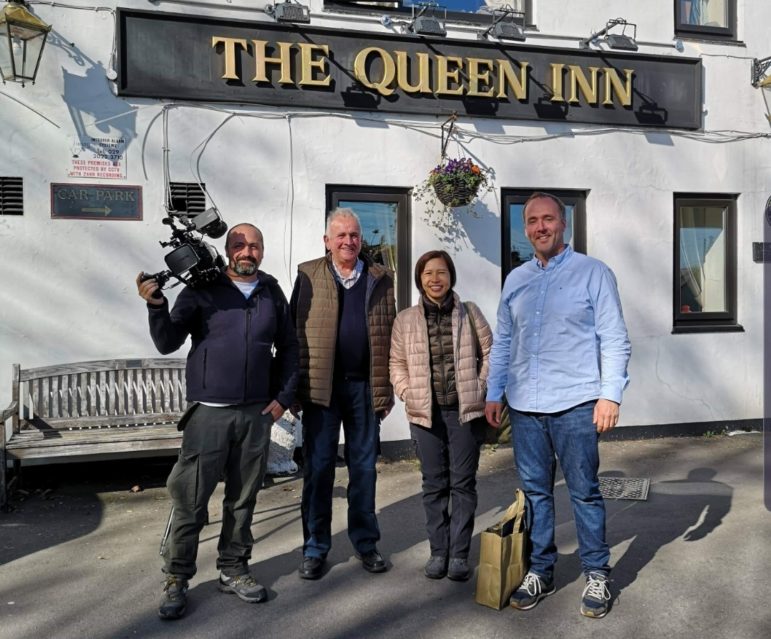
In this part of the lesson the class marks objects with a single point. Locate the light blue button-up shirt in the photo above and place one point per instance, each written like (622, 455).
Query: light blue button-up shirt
(560, 340)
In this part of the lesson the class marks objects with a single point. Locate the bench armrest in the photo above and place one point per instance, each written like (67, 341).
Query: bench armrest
(8, 412)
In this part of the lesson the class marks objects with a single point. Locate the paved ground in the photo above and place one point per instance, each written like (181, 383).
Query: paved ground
(694, 560)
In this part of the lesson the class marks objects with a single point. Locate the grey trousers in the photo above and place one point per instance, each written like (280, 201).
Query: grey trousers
(231, 442)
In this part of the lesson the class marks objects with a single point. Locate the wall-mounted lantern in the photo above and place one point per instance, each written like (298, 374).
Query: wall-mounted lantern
(22, 37)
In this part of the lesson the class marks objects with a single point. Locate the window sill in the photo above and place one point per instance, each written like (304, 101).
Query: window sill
(708, 38)
(708, 328)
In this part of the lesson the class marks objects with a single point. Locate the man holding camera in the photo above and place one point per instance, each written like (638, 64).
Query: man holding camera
(234, 322)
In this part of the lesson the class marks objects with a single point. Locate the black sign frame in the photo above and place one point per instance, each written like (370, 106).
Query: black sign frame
(95, 202)
(170, 56)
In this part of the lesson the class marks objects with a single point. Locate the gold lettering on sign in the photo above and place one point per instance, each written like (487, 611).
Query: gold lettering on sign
(304, 64)
(261, 61)
(309, 64)
(556, 82)
(403, 72)
(579, 82)
(229, 45)
(507, 79)
(613, 84)
(382, 86)
(444, 74)
(477, 77)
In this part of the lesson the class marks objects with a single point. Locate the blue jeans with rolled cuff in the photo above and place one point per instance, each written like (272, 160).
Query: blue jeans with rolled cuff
(569, 436)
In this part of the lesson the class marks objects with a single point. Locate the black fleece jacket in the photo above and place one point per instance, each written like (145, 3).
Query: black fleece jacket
(232, 339)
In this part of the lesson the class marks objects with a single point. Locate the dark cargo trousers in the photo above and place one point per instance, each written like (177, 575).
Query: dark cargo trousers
(449, 458)
(232, 442)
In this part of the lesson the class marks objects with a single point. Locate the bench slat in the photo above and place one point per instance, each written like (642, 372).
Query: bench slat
(27, 439)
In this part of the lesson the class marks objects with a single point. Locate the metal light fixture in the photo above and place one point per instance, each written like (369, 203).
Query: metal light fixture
(289, 12)
(503, 27)
(23, 37)
(620, 41)
(759, 69)
(423, 24)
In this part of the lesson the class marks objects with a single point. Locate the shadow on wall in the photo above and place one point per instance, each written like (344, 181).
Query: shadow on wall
(94, 110)
(474, 226)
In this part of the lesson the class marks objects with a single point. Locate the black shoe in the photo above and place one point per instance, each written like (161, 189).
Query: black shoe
(458, 570)
(311, 567)
(436, 567)
(174, 600)
(244, 587)
(372, 561)
(531, 591)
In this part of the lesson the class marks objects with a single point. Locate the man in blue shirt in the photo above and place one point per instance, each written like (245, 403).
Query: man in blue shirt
(559, 355)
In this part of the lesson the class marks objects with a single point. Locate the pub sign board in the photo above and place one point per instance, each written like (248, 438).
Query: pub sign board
(173, 56)
(96, 202)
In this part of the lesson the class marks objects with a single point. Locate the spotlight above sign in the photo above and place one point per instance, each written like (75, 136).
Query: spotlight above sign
(620, 41)
(289, 12)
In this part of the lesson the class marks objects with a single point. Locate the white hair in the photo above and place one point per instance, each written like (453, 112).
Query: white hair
(340, 213)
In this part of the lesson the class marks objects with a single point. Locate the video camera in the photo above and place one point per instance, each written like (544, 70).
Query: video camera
(192, 261)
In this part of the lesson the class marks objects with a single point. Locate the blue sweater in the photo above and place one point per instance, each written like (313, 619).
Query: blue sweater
(232, 338)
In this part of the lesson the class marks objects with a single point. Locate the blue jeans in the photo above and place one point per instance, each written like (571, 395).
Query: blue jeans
(570, 436)
(352, 404)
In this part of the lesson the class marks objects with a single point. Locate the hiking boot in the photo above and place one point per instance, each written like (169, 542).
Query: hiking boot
(531, 591)
(244, 587)
(458, 570)
(174, 600)
(596, 595)
(436, 567)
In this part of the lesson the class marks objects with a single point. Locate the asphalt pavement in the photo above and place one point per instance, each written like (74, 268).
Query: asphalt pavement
(79, 556)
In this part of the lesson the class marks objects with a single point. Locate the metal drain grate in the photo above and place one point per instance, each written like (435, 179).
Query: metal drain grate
(624, 487)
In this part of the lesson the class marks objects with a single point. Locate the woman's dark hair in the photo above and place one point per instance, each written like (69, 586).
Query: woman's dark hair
(420, 265)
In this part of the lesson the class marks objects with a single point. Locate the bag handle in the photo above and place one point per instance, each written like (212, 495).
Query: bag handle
(515, 512)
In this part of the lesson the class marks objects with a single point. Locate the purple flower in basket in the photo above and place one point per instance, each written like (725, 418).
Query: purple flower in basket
(457, 181)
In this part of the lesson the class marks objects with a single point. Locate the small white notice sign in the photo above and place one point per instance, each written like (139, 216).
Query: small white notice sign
(102, 158)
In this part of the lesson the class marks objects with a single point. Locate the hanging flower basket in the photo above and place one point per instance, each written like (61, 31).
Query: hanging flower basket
(454, 183)
(454, 194)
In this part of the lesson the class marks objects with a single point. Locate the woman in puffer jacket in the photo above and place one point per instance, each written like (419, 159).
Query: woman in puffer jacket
(438, 367)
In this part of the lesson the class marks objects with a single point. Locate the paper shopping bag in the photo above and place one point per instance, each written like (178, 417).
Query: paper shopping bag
(502, 557)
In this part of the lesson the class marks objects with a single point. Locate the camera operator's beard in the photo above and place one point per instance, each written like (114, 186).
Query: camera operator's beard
(244, 267)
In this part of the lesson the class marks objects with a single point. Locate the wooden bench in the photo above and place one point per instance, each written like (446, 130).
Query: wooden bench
(92, 410)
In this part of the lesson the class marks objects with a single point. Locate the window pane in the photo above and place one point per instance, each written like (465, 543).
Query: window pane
(703, 259)
(378, 229)
(521, 249)
(467, 6)
(473, 6)
(705, 13)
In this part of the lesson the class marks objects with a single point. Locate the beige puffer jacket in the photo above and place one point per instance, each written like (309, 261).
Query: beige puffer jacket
(410, 362)
(314, 309)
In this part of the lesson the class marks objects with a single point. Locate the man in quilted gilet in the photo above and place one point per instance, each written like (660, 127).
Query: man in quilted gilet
(343, 306)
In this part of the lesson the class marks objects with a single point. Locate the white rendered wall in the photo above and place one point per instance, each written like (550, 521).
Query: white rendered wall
(68, 290)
